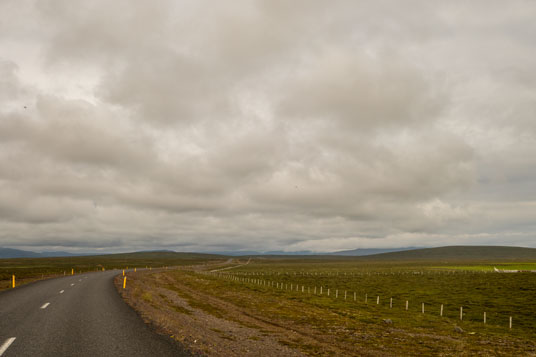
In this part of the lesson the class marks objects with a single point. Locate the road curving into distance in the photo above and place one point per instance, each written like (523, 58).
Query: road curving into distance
(76, 315)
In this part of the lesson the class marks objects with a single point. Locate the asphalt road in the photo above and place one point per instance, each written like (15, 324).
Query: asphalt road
(79, 315)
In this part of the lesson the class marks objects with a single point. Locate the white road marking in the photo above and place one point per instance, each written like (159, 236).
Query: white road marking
(45, 305)
(79, 279)
(61, 292)
(72, 284)
(6, 345)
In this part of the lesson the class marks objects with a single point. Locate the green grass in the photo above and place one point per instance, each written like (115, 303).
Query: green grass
(31, 269)
(470, 253)
(489, 267)
(349, 323)
(469, 286)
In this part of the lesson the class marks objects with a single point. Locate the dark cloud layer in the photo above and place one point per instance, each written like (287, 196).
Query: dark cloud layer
(267, 125)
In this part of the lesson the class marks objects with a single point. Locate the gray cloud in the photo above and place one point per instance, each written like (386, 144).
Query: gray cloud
(266, 124)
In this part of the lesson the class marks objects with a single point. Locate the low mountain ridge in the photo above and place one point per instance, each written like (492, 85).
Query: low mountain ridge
(370, 251)
(463, 252)
(6, 253)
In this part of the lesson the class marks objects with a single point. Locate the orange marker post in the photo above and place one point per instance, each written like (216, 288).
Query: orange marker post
(13, 285)
(124, 282)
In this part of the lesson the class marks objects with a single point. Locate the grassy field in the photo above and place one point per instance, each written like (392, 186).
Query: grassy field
(282, 290)
(31, 269)
(477, 291)
(489, 267)
(321, 305)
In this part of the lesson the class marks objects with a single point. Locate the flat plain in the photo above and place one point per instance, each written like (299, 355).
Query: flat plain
(343, 306)
(321, 305)
(27, 270)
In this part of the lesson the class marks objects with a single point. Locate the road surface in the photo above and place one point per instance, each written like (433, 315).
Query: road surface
(77, 315)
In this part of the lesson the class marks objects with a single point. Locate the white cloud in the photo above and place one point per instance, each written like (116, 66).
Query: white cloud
(268, 125)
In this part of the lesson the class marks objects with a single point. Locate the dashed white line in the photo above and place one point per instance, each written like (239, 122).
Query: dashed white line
(6, 345)
(72, 284)
(45, 305)
(62, 291)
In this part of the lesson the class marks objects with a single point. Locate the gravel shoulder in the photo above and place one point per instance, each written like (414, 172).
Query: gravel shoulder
(205, 324)
(216, 317)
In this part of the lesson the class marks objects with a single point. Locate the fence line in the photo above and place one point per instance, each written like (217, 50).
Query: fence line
(292, 287)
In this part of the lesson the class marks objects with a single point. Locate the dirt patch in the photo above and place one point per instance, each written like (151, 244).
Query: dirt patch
(204, 324)
(216, 317)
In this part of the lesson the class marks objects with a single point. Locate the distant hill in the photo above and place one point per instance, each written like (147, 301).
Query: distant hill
(163, 254)
(17, 253)
(353, 252)
(255, 253)
(370, 251)
(450, 253)
(6, 253)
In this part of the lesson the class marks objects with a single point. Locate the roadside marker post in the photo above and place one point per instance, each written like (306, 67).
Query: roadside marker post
(124, 282)
(13, 284)
(123, 272)
(72, 271)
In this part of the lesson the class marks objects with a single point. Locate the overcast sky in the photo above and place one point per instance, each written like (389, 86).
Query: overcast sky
(266, 125)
